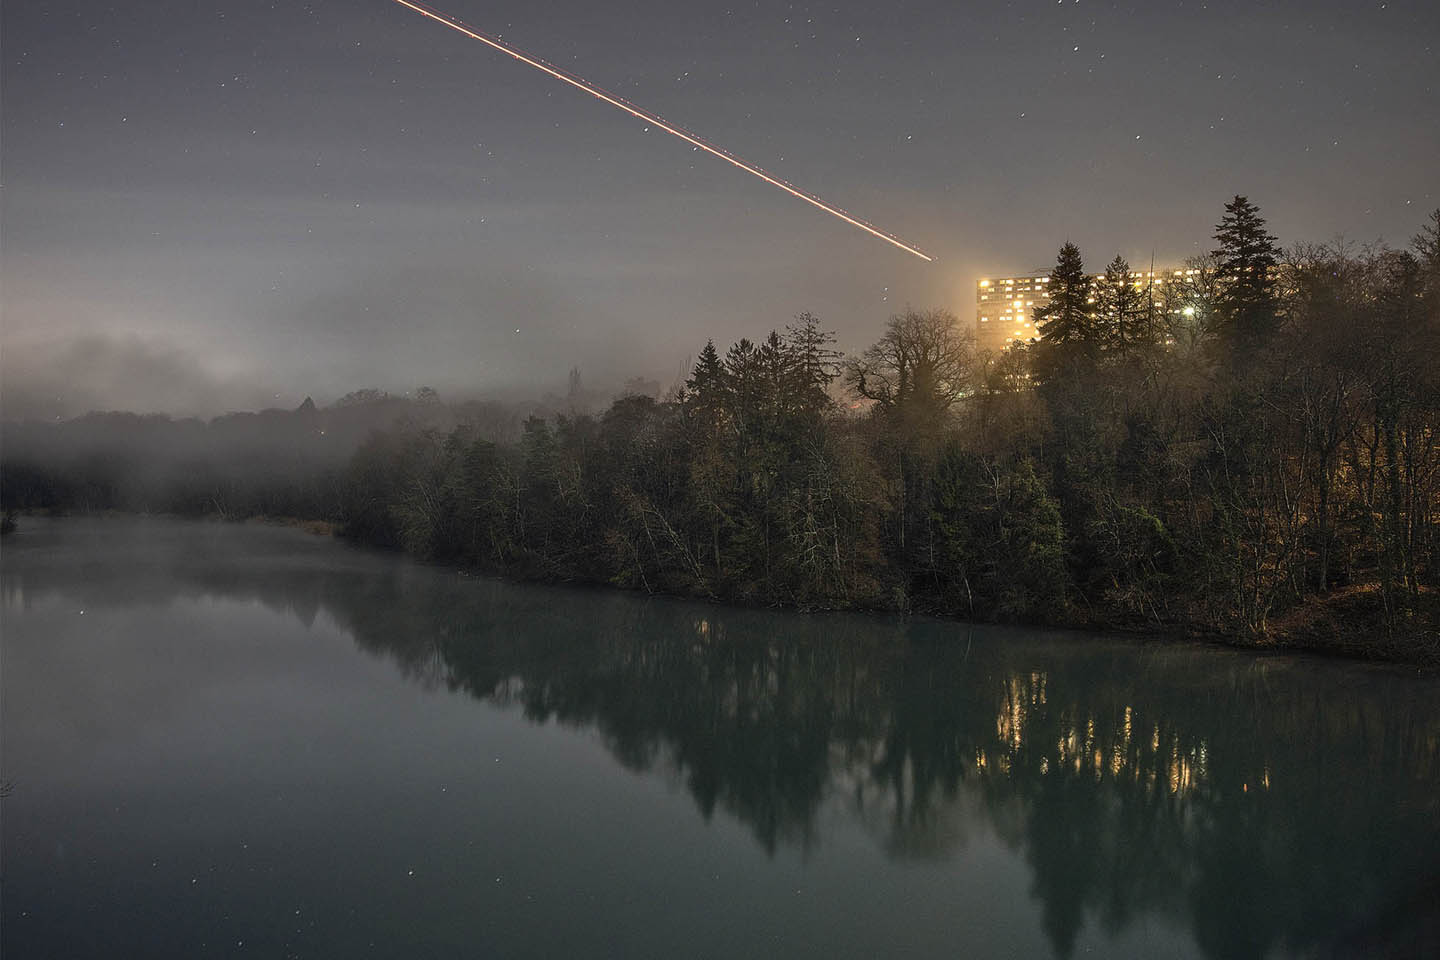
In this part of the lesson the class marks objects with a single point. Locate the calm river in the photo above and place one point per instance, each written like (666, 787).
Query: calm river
(247, 741)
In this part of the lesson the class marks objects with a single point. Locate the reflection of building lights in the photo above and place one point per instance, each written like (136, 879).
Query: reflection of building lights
(1189, 311)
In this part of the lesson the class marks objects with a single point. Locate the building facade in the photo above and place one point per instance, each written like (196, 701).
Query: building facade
(1005, 306)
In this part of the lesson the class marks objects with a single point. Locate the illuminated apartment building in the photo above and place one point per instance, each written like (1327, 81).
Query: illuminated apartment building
(1005, 310)
(1005, 307)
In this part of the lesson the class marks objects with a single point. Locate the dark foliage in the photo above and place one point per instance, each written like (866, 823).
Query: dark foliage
(1250, 446)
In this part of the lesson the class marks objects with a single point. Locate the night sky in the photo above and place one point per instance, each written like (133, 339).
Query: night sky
(226, 205)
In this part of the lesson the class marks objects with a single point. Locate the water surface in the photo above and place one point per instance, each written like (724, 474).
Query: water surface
(223, 740)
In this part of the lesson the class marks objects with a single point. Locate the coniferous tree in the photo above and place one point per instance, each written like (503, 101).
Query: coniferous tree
(1122, 308)
(742, 378)
(1067, 324)
(773, 361)
(708, 406)
(1247, 257)
(1066, 317)
(574, 395)
(706, 388)
(816, 362)
(1427, 249)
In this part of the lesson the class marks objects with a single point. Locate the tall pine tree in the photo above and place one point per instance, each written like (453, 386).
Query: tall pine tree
(1068, 328)
(707, 389)
(816, 363)
(1247, 257)
(1121, 307)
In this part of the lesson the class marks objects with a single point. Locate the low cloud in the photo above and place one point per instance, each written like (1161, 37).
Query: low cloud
(95, 372)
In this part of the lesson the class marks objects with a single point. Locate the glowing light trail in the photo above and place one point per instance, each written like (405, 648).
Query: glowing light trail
(651, 118)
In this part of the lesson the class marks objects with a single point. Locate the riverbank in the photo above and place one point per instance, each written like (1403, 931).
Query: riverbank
(1352, 622)
(1349, 623)
(318, 528)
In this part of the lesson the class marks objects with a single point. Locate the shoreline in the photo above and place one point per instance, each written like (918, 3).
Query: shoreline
(1332, 626)
(1312, 628)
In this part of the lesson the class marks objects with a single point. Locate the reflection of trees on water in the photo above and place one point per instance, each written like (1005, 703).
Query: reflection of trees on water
(1263, 803)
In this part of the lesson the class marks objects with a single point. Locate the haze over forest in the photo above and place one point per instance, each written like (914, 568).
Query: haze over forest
(204, 208)
(527, 477)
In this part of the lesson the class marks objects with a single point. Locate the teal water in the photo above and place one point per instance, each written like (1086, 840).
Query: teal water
(242, 741)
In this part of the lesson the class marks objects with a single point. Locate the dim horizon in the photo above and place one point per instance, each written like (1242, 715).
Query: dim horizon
(212, 208)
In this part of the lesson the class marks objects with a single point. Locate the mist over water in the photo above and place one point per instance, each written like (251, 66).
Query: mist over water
(334, 266)
(197, 760)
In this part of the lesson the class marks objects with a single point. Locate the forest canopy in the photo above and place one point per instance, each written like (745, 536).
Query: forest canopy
(1253, 453)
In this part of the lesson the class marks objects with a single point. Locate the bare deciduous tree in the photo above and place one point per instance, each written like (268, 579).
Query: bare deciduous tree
(923, 364)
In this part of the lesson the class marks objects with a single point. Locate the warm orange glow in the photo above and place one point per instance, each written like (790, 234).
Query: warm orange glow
(648, 117)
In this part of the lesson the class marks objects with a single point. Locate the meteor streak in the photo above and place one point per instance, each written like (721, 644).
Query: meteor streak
(693, 139)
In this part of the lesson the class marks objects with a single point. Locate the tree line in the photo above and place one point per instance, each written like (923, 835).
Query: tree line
(1251, 450)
